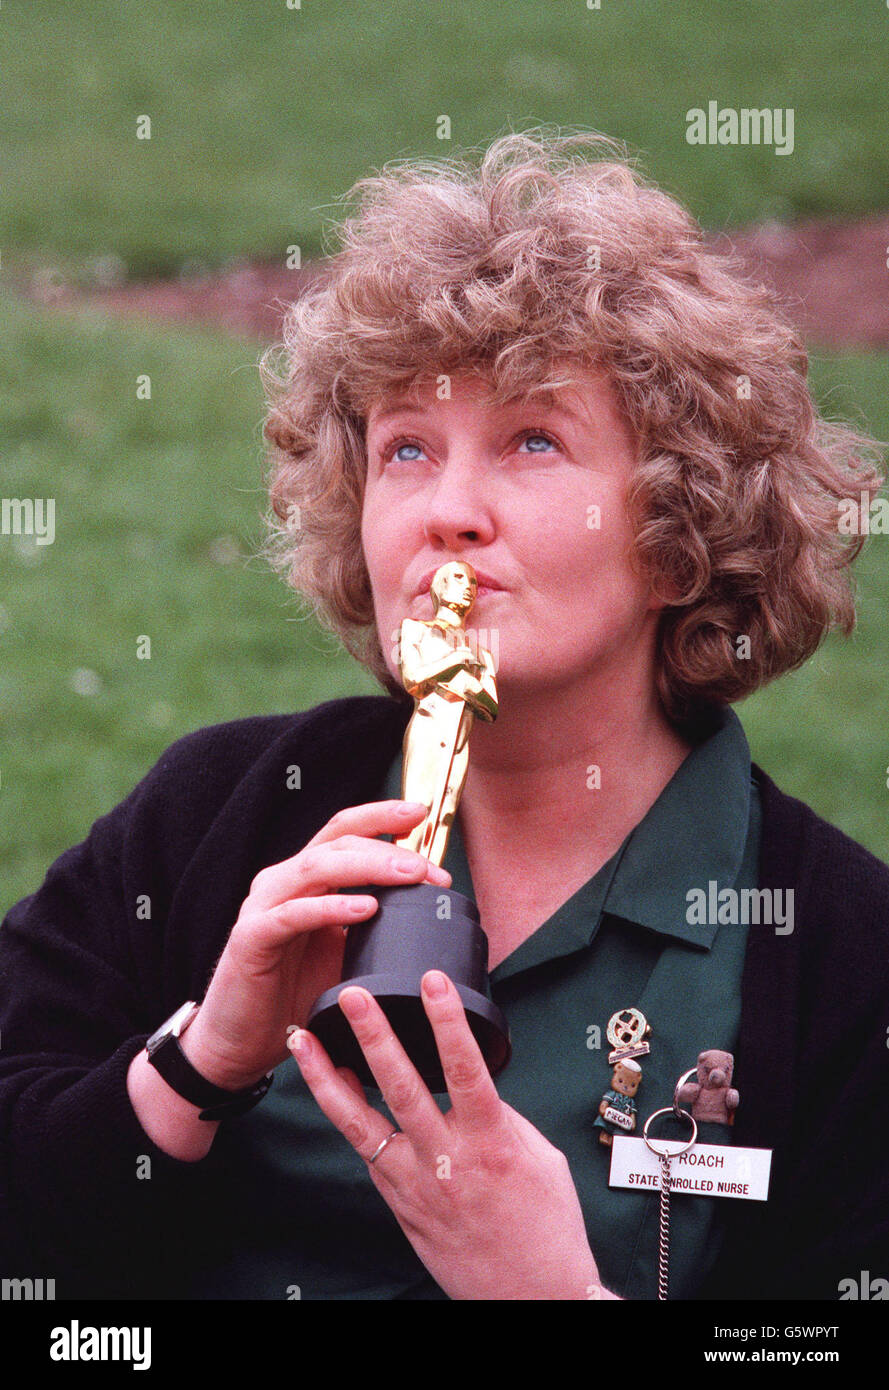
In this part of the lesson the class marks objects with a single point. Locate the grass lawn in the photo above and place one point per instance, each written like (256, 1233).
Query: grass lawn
(157, 522)
(261, 115)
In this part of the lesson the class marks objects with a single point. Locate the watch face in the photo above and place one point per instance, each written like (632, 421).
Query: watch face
(172, 1027)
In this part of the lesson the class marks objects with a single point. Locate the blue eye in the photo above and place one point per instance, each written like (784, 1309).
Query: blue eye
(531, 435)
(415, 447)
(393, 447)
(392, 450)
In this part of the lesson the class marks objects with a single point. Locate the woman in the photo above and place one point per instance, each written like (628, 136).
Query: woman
(535, 368)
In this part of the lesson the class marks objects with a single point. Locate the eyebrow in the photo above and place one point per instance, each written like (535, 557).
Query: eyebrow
(405, 405)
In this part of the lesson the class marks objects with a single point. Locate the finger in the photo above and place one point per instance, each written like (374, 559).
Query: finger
(351, 1080)
(363, 1127)
(276, 926)
(414, 1110)
(373, 818)
(478, 1108)
(347, 862)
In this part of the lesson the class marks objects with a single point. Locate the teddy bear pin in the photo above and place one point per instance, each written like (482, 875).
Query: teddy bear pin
(626, 1031)
(713, 1097)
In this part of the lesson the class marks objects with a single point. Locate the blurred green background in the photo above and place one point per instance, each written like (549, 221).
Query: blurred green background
(262, 116)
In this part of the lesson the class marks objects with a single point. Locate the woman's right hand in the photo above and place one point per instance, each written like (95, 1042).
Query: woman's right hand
(287, 944)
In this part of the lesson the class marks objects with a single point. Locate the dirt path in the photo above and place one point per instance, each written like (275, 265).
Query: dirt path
(832, 276)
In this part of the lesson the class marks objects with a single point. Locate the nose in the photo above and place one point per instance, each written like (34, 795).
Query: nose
(456, 509)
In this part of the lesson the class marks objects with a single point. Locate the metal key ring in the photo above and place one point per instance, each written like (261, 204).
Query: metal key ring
(667, 1153)
(679, 1085)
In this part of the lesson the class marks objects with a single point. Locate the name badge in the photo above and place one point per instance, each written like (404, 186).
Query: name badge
(704, 1170)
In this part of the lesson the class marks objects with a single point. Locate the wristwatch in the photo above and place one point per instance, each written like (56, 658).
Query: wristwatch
(166, 1055)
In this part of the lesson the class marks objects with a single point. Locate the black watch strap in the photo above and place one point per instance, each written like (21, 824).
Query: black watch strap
(218, 1103)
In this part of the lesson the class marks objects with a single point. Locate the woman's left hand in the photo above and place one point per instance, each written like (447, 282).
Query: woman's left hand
(485, 1200)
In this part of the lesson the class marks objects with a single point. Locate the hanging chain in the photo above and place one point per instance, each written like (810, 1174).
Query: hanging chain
(663, 1273)
(666, 1157)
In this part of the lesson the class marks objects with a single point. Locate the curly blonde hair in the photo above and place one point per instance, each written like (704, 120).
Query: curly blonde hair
(554, 247)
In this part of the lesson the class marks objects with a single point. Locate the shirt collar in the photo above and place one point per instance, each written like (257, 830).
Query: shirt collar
(694, 833)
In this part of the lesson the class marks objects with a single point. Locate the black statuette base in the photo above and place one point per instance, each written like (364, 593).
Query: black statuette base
(389, 954)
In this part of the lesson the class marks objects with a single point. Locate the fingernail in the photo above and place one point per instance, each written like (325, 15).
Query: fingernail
(435, 984)
(298, 1043)
(410, 808)
(353, 1003)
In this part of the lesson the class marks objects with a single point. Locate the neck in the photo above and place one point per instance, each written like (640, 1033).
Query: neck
(565, 765)
(446, 617)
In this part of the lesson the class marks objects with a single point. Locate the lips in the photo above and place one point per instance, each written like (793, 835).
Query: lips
(486, 582)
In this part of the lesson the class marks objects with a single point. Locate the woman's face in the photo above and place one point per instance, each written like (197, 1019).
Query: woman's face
(533, 498)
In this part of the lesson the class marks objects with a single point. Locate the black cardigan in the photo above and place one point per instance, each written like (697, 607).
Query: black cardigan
(86, 976)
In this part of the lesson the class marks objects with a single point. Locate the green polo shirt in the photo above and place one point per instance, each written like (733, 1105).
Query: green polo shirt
(624, 939)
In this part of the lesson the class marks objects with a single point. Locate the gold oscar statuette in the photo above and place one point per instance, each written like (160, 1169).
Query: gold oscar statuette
(450, 686)
(422, 927)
